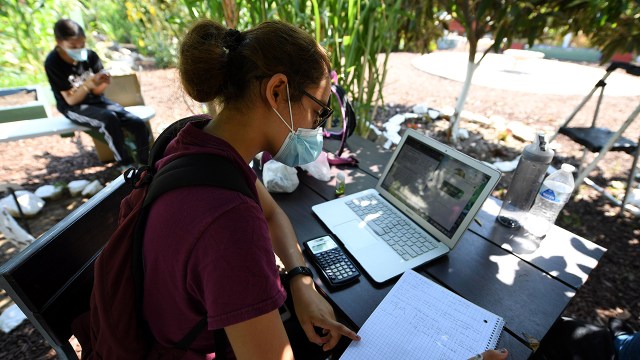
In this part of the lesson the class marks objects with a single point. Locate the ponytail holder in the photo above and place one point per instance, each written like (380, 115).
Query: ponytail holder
(232, 39)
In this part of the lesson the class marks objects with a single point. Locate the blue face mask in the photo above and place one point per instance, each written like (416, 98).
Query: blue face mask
(300, 147)
(77, 54)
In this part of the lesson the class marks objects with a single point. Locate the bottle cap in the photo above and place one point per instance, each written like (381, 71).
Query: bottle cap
(568, 167)
(538, 151)
(340, 176)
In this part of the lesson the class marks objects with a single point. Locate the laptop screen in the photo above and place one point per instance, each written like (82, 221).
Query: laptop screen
(437, 187)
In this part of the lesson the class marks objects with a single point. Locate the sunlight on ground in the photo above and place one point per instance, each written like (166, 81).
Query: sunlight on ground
(4, 241)
(6, 302)
(89, 170)
(75, 204)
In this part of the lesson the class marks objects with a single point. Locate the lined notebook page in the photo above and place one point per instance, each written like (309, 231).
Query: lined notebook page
(419, 319)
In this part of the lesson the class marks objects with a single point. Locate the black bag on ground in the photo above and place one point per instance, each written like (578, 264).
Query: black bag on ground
(114, 328)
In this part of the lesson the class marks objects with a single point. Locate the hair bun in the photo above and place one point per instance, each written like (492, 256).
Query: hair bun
(232, 39)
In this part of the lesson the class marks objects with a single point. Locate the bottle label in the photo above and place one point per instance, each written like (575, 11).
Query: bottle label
(553, 196)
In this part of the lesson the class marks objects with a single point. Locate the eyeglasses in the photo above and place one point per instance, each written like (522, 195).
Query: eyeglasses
(324, 114)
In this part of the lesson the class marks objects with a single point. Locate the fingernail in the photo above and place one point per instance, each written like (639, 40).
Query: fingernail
(503, 351)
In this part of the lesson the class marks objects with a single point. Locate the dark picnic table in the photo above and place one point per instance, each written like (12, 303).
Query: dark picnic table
(530, 291)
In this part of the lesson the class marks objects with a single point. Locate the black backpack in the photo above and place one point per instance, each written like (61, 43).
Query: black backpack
(117, 329)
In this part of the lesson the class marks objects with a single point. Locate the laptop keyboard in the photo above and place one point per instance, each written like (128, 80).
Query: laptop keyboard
(400, 234)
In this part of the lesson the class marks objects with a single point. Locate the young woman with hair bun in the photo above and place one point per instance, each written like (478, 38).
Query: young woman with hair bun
(209, 251)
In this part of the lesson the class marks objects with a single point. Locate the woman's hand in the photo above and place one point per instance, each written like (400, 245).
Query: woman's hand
(492, 355)
(314, 311)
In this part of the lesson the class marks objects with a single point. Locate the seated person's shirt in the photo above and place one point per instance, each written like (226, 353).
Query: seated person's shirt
(207, 252)
(64, 76)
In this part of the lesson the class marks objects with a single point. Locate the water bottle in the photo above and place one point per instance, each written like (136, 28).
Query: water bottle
(554, 193)
(525, 183)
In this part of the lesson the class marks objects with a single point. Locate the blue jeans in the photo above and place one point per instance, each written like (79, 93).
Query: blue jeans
(627, 346)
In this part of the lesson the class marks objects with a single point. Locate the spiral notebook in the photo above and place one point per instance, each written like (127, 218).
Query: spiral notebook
(419, 319)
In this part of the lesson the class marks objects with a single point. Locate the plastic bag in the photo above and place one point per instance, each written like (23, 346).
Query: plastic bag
(12, 231)
(279, 178)
(319, 169)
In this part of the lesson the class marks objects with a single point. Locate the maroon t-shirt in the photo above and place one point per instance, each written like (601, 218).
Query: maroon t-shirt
(207, 252)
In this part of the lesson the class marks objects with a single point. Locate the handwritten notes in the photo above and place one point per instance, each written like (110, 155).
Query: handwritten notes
(420, 319)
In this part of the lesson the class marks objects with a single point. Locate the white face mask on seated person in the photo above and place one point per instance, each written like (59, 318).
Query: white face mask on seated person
(77, 54)
(299, 147)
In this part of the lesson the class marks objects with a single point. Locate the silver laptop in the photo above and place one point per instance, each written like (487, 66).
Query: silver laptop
(424, 201)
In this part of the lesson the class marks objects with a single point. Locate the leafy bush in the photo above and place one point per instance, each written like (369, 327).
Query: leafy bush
(26, 37)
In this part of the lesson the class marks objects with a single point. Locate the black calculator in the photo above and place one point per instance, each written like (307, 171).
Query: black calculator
(335, 267)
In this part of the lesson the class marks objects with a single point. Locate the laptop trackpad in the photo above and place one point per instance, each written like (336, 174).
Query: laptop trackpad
(354, 234)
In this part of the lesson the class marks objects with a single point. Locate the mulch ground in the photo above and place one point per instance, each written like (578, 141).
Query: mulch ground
(613, 288)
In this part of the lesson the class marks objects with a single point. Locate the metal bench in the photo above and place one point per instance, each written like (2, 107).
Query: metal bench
(32, 128)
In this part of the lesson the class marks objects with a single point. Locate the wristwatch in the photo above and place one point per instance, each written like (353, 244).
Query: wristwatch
(299, 270)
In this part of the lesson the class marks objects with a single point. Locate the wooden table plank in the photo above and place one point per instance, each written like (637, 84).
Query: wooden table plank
(355, 180)
(529, 300)
(27, 129)
(517, 350)
(372, 157)
(563, 255)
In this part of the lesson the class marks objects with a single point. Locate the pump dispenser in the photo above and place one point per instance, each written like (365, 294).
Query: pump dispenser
(525, 183)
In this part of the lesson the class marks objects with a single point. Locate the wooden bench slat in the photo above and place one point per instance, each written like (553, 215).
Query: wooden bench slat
(32, 110)
(26, 129)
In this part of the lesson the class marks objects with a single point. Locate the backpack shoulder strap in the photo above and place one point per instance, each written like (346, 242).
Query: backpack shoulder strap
(198, 170)
(168, 134)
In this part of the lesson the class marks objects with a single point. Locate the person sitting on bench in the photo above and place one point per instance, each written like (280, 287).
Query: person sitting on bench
(78, 80)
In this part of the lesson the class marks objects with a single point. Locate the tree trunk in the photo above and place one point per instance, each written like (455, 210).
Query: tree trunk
(454, 125)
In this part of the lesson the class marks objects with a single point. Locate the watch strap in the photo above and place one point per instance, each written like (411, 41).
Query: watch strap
(299, 270)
